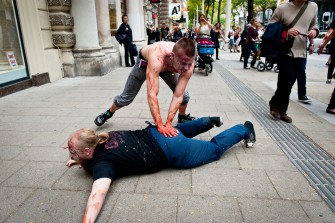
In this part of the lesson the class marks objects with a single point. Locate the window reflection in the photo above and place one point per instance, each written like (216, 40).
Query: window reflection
(11, 60)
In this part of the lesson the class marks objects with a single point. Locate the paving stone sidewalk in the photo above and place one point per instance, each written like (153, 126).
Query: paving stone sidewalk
(247, 185)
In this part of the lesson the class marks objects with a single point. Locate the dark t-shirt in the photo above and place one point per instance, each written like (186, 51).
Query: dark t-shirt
(252, 34)
(127, 153)
(165, 32)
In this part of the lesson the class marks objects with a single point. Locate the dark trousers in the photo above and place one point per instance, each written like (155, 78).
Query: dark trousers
(331, 104)
(217, 52)
(250, 47)
(301, 80)
(332, 64)
(127, 53)
(289, 69)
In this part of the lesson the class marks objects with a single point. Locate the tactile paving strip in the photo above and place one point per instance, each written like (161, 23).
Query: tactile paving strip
(315, 164)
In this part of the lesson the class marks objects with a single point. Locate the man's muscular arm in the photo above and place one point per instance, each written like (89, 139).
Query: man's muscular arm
(178, 95)
(152, 79)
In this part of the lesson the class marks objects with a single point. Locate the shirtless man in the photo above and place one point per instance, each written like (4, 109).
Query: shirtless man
(174, 63)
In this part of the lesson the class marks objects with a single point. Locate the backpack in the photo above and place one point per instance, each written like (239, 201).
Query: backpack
(274, 42)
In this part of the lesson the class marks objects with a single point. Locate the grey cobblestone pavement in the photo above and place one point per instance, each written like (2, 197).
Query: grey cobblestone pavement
(259, 184)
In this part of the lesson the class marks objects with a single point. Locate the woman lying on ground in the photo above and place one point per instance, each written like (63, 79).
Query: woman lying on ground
(121, 153)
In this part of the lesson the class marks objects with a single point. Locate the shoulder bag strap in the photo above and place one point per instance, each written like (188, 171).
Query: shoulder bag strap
(297, 17)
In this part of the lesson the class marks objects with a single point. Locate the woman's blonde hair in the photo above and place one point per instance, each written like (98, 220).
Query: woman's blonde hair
(87, 138)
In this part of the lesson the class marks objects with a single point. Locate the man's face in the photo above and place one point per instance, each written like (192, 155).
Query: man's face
(182, 62)
(125, 19)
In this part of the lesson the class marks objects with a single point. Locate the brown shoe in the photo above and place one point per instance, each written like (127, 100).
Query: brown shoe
(285, 118)
(274, 111)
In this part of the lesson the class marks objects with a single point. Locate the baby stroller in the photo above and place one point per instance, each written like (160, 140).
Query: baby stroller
(268, 63)
(204, 59)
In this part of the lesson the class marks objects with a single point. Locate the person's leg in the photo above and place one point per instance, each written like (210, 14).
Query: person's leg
(331, 105)
(134, 83)
(331, 66)
(301, 79)
(217, 52)
(126, 53)
(254, 57)
(193, 128)
(247, 55)
(132, 60)
(194, 152)
(281, 81)
(287, 81)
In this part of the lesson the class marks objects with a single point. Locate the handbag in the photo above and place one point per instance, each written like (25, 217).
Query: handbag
(133, 50)
(120, 37)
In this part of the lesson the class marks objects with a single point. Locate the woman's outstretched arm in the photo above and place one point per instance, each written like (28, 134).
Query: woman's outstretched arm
(97, 197)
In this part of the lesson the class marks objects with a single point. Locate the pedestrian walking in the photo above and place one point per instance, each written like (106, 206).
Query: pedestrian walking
(292, 64)
(217, 36)
(252, 37)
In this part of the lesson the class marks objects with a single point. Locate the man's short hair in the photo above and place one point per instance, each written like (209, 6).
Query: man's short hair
(186, 45)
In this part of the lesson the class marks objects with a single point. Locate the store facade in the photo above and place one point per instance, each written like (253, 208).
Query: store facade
(43, 41)
(13, 66)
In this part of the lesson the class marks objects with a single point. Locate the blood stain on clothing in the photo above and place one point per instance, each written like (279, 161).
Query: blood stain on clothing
(114, 139)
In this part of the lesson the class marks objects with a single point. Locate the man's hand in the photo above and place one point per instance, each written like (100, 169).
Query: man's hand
(321, 46)
(167, 130)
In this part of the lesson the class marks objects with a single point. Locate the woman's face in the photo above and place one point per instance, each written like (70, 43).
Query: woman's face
(202, 18)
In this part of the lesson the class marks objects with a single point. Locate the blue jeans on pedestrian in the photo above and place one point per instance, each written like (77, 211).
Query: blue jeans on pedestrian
(250, 47)
(182, 151)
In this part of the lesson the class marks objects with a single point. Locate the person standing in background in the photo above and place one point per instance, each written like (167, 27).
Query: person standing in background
(217, 35)
(125, 29)
(165, 32)
(252, 37)
(151, 33)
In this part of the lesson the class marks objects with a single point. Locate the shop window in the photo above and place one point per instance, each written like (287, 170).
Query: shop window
(12, 65)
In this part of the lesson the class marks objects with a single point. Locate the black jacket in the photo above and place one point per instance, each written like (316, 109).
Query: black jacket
(122, 30)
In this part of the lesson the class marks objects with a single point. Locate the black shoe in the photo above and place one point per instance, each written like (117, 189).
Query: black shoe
(246, 67)
(249, 142)
(217, 58)
(254, 67)
(330, 111)
(129, 65)
(101, 119)
(329, 81)
(285, 118)
(217, 121)
(185, 118)
(305, 100)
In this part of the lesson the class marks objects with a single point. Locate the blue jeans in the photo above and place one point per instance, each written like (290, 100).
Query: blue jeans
(250, 47)
(182, 151)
